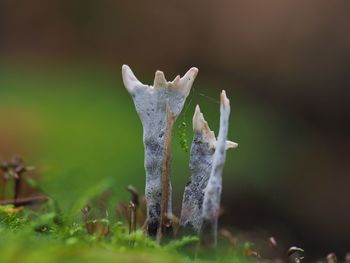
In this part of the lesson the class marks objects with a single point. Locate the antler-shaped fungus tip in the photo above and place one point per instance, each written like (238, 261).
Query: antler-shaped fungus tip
(200, 125)
(184, 84)
(224, 101)
(129, 79)
(159, 80)
(231, 145)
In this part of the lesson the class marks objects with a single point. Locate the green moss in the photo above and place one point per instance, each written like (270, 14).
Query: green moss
(27, 238)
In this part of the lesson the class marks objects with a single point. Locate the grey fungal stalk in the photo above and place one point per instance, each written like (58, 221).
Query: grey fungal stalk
(212, 193)
(201, 163)
(158, 106)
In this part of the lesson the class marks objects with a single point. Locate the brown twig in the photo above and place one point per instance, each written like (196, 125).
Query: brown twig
(164, 226)
(25, 201)
(13, 170)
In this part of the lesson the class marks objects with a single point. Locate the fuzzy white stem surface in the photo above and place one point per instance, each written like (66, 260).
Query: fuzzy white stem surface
(201, 163)
(154, 104)
(212, 192)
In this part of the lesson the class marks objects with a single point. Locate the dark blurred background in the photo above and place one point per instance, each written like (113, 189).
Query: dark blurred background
(285, 66)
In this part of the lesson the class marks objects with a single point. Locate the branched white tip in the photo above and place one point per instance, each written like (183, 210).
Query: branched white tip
(201, 125)
(184, 84)
(225, 105)
(224, 101)
(159, 80)
(231, 145)
(176, 80)
(129, 79)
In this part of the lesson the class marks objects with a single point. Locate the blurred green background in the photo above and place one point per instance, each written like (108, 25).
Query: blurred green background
(284, 65)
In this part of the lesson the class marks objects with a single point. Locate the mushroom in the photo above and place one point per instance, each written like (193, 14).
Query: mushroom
(158, 106)
(201, 163)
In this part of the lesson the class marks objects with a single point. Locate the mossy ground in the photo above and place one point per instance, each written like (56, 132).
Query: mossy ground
(29, 237)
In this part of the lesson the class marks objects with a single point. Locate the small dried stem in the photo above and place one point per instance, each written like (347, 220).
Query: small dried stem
(17, 187)
(3, 188)
(166, 184)
(132, 217)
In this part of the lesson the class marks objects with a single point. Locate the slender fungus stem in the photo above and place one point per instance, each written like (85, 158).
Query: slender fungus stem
(4, 177)
(158, 106)
(17, 187)
(212, 193)
(3, 188)
(132, 217)
(295, 255)
(201, 163)
(132, 220)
